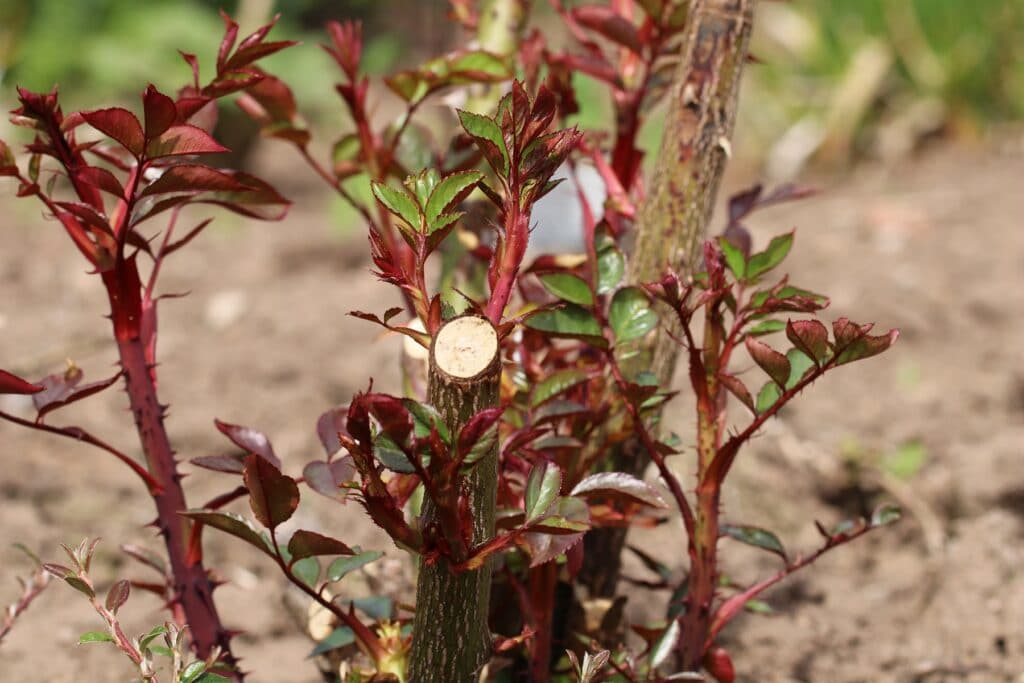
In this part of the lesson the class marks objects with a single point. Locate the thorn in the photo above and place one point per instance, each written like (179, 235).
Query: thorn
(726, 146)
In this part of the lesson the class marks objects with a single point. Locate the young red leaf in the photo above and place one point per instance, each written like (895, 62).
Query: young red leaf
(719, 664)
(738, 389)
(12, 384)
(273, 496)
(118, 595)
(228, 463)
(119, 124)
(326, 478)
(610, 24)
(250, 441)
(101, 178)
(327, 427)
(160, 112)
(305, 544)
(770, 360)
(193, 178)
(62, 389)
(183, 139)
(621, 486)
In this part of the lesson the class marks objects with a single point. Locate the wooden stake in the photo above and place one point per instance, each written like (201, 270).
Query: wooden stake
(451, 639)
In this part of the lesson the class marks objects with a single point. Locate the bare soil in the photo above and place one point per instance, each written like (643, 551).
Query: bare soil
(933, 246)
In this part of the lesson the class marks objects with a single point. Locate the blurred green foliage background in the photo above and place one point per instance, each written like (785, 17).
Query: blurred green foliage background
(837, 78)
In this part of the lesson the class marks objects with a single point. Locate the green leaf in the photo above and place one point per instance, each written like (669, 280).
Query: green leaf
(340, 637)
(193, 671)
(376, 606)
(212, 678)
(345, 565)
(542, 487)
(758, 607)
(555, 384)
(767, 397)
(631, 315)
(391, 456)
(154, 633)
(611, 266)
(568, 287)
(885, 515)
(483, 66)
(398, 202)
(424, 417)
(735, 261)
(307, 570)
(761, 262)
(905, 461)
(233, 524)
(568, 321)
(487, 132)
(799, 365)
(766, 327)
(95, 637)
(755, 536)
(665, 644)
(448, 193)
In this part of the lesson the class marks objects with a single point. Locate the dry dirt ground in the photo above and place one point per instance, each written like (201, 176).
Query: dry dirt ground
(934, 246)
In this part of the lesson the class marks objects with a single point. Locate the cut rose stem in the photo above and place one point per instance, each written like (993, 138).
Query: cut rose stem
(451, 639)
(673, 220)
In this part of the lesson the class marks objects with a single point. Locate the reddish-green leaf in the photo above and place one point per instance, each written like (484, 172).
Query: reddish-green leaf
(737, 388)
(233, 524)
(770, 360)
(542, 487)
(764, 261)
(448, 193)
(8, 165)
(810, 336)
(488, 137)
(250, 441)
(556, 384)
(228, 463)
(305, 543)
(119, 124)
(479, 437)
(273, 496)
(853, 342)
(118, 595)
(12, 384)
(398, 202)
(619, 485)
(755, 536)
